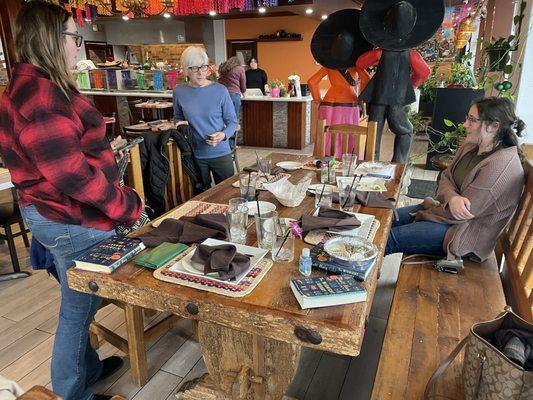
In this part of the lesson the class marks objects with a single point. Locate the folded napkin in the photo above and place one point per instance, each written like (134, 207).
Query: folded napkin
(330, 219)
(223, 259)
(187, 230)
(159, 256)
(369, 199)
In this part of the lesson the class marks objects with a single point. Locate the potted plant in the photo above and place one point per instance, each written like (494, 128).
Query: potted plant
(461, 74)
(275, 87)
(427, 91)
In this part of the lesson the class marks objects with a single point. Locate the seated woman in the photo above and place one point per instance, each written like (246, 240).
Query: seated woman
(477, 194)
(209, 111)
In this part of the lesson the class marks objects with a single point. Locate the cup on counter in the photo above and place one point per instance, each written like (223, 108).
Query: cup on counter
(323, 198)
(247, 184)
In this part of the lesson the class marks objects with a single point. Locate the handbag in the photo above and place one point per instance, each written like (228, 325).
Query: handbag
(488, 374)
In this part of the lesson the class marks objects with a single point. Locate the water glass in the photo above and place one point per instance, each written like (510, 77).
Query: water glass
(247, 184)
(349, 162)
(283, 249)
(266, 227)
(323, 198)
(346, 197)
(237, 224)
(327, 175)
(237, 203)
(264, 164)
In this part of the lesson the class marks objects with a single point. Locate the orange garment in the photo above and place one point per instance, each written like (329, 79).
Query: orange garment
(340, 91)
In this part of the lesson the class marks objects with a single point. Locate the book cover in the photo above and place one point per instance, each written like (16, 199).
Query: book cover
(325, 291)
(109, 254)
(321, 259)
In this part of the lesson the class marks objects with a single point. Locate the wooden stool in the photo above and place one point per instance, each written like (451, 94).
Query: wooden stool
(9, 215)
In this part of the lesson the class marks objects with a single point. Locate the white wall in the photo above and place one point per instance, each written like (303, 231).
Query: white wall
(219, 28)
(147, 31)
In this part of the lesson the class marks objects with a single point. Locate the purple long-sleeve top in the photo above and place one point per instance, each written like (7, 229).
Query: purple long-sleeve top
(234, 80)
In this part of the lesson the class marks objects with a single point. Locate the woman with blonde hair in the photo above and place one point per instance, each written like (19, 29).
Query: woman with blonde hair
(208, 109)
(232, 76)
(53, 142)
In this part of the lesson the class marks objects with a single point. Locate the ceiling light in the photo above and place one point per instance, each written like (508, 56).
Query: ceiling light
(212, 13)
(167, 15)
(309, 11)
(125, 17)
(262, 10)
(324, 16)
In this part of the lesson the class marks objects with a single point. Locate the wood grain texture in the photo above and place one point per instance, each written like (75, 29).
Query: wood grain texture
(296, 125)
(257, 123)
(431, 312)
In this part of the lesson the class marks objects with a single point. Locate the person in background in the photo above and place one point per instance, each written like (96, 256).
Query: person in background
(53, 142)
(208, 109)
(233, 77)
(477, 194)
(256, 78)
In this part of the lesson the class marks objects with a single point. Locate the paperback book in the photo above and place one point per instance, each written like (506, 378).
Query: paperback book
(324, 291)
(109, 254)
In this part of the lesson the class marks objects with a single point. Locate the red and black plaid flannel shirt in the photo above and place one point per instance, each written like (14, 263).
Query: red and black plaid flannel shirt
(58, 156)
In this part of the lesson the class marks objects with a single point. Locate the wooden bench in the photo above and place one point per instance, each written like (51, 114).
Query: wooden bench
(432, 311)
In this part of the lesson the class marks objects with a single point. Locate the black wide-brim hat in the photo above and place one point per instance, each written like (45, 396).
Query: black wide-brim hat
(338, 41)
(429, 17)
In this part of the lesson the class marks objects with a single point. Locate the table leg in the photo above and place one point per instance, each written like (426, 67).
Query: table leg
(241, 366)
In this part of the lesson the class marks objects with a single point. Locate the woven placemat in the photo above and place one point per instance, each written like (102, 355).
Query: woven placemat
(226, 288)
(191, 209)
(261, 180)
(320, 236)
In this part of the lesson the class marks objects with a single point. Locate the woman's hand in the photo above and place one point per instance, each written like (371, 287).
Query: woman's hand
(460, 208)
(216, 138)
(114, 144)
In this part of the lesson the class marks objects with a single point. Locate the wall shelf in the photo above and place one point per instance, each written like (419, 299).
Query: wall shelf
(281, 40)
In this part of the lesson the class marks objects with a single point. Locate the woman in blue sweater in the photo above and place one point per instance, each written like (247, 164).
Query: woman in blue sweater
(208, 109)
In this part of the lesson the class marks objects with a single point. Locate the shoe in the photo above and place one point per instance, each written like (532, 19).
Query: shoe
(102, 397)
(111, 365)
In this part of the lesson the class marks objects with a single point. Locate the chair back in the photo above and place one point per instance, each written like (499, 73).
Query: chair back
(515, 246)
(364, 138)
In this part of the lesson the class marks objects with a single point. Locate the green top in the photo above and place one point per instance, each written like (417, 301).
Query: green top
(467, 163)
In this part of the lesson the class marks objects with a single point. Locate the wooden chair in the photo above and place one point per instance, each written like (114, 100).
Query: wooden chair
(364, 139)
(515, 249)
(179, 187)
(10, 215)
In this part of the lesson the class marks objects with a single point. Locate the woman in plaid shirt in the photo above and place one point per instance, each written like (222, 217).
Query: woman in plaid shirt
(53, 142)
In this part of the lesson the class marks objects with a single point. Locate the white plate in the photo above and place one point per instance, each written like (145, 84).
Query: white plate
(289, 165)
(185, 264)
(264, 207)
(364, 184)
(362, 231)
(318, 186)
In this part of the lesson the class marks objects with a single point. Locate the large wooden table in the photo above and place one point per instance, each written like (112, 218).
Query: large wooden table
(251, 344)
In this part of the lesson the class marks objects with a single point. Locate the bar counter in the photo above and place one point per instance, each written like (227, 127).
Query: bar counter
(282, 122)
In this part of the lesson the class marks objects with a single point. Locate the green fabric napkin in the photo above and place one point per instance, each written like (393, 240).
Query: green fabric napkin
(160, 255)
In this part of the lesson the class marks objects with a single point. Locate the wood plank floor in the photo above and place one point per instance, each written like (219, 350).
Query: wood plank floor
(28, 319)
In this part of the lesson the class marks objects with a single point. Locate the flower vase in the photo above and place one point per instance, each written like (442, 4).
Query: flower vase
(274, 92)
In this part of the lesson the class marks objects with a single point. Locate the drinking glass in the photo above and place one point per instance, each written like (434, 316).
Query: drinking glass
(237, 224)
(348, 164)
(346, 197)
(247, 184)
(323, 198)
(236, 203)
(266, 227)
(283, 248)
(264, 164)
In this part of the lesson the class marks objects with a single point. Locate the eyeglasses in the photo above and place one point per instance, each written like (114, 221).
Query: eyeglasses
(77, 38)
(201, 68)
(472, 119)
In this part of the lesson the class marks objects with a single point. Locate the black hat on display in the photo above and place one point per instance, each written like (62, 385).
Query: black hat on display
(338, 41)
(400, 24)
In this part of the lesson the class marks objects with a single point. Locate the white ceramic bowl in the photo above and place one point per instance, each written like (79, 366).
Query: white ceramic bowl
(290, 165)
(352, 249)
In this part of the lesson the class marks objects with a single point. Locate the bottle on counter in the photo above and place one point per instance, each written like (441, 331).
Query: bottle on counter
(304, 265)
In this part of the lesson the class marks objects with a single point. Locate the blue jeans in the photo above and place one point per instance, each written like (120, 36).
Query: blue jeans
(422, 237)
(75, 364)
(236, 100)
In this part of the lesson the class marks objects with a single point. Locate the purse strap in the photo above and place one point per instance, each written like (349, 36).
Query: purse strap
(443, 367)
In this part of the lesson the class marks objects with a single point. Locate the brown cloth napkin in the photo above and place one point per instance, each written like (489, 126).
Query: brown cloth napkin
(223, 259)
(369, 199)
(187, 230)
(331, 219)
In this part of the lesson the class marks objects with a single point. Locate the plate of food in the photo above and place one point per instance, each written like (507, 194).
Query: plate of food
(351, 249)
(369, 184)
(377, 169)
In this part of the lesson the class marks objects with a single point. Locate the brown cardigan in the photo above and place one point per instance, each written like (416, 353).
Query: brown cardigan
(494, 187)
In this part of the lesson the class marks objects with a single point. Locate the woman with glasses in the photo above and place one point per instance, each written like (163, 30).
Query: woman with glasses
(477, 194)
(53, 142)
(208, 109)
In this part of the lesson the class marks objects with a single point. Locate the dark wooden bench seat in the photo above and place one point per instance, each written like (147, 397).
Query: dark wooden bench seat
(432, 311)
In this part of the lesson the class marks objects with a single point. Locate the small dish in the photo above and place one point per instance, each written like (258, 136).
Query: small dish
(264, 207)
(289, 165)
(354, 250)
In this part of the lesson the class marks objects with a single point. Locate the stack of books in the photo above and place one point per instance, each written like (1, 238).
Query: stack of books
(324, 291)
(108, 255)
(321, 259)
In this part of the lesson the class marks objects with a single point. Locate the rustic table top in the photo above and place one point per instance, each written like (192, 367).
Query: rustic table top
(271, 310)
(143, 127)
